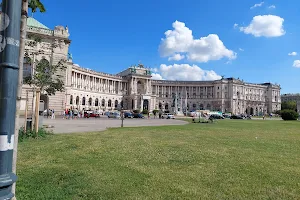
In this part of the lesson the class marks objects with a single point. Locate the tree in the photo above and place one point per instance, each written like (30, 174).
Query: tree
(289, 105)
(33, 5)
(45, 79)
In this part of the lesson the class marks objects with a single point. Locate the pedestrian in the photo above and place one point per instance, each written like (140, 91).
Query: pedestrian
(148, 115)
(53, 114)
(71, 114)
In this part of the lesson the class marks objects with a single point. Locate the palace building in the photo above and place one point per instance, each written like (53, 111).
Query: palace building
(134, 87)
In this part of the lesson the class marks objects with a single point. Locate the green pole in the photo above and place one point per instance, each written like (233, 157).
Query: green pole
(9, 70)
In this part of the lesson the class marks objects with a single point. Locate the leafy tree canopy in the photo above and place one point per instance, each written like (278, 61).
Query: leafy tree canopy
(36, 4)
(289, 105)
(45, 77)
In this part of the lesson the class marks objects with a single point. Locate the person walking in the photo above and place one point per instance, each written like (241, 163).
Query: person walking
(53, 114)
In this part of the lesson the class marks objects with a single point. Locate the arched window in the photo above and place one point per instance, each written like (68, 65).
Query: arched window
(27, 67)
(167, 106)
(160, 105)
(103, 103)
(194, 105)
(201, 107)
(77, 100)
(116, 103)
(109, 103)
(208, 106)
(71, 99)
(122, 104)
(83, 101)
(96, 102)
(45, 63)
(90, 101)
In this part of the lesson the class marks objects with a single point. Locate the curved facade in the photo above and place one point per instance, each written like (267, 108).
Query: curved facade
(134, 89)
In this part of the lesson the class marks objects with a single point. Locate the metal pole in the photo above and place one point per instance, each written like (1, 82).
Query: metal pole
(122, 117)
(26, 113)
(36, 119)
(9, 72)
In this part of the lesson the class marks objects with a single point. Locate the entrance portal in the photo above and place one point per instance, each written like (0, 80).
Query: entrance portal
(146, 104)
(45, 98)
(251, 111)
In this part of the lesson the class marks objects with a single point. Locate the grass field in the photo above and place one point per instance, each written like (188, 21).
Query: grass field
(243, 159)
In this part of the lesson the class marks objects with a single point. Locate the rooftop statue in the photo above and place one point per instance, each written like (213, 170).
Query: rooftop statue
(70, 57)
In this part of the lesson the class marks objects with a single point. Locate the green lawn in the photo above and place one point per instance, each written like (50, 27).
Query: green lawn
(242, 159)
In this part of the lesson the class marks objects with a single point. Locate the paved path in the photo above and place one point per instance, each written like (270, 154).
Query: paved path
(92, 124)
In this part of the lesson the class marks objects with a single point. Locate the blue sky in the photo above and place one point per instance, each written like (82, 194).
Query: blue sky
(110, 36)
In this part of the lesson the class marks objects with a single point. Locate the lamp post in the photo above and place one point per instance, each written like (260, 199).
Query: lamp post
(122, 117)
(9, 72)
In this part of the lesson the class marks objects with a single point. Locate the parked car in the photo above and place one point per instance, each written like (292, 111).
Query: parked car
(138, 115)
(236, 117)
(88, 114)
(114, 115)
(215, 116)
(226, 116)
(128, 115)
(168, 116)
(106, 113)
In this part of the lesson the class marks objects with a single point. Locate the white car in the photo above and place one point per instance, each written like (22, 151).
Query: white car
(114, 115)
(168, 116)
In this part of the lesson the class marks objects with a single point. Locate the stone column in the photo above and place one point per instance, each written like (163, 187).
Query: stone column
(135, 103)
(142, 103)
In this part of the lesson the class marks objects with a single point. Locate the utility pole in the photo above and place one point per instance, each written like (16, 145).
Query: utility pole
(122, 117)
(9, 72)
(26, 112)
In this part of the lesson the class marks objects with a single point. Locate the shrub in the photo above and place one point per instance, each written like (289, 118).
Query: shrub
(278, 112)
(145, 111)
(136, 111)
(155, 112)
(31, 134)
(289, 115)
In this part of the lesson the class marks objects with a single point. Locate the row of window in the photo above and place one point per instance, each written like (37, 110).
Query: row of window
(201, 106)
(90, 102)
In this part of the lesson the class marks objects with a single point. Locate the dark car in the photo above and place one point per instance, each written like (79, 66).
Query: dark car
(128, 115)
(214, 116)
(138, 115)
(236, 117)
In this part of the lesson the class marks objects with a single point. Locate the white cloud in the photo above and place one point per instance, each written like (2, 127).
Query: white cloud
(235, 25)
(292, 53)
(272, 7)
(176, 57)
(185, 72)
(241, 49)
(154, 70)
(296, 63)
(265, 26)
(156, 76)
(257, 5)
(181, 40)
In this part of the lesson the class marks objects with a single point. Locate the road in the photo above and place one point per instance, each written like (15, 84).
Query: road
(101, 124)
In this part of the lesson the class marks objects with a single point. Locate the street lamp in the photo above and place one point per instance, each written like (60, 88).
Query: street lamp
(122, 117)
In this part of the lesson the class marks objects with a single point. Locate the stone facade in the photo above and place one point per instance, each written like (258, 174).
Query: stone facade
(133, 88)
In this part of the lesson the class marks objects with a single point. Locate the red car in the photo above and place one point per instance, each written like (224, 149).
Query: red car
(89, 114)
